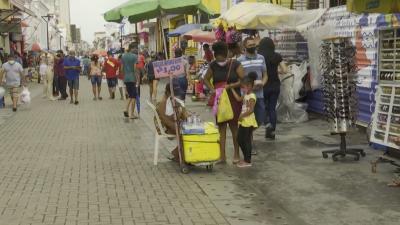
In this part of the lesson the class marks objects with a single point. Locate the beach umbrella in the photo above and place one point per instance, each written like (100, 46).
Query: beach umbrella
(200, 36)
(183, 29)
(373, 6)
(36, 47)
(140, 10)
(100, 52)
(266, 16)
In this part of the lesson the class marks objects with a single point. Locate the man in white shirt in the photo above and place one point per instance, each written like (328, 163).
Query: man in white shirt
(14, 78)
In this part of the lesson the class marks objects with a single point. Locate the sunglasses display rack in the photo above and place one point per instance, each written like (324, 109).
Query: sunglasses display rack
(339, 88)
(386, 119)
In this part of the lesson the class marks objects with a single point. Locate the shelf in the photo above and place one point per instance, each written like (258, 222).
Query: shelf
(388, 39)
(395, 134)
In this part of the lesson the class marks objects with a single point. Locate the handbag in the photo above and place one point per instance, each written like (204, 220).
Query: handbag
(225, 112)
(211, 100)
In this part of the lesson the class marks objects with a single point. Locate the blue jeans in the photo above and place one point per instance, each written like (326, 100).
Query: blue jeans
(271, 96)
(259, 111)
(183, 84)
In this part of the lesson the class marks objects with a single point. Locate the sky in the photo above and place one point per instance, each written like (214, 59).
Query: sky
(87, 15)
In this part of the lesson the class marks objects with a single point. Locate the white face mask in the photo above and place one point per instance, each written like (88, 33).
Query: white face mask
(11, 61)
(223, 63)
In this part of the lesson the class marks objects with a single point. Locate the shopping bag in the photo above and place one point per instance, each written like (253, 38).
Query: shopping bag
(25, 96)
(225, 112)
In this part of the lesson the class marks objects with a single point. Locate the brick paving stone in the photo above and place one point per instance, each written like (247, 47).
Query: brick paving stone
(86, 164)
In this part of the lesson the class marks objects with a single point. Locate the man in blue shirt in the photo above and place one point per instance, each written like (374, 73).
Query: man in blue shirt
(72, 67)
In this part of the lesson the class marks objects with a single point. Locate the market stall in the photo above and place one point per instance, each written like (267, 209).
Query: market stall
(137, 11)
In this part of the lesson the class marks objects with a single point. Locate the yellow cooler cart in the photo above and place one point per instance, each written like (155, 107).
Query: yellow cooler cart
(202, 149)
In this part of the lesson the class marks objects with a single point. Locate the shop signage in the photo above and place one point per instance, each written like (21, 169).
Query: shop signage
(166, 68)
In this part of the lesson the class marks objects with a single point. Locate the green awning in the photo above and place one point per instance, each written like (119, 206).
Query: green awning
(140, 10)
(10, 28)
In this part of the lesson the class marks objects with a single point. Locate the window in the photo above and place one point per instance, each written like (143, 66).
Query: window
(334, 3)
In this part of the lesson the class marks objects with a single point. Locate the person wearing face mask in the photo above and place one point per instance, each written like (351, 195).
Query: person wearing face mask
(14, 78)
(253, 62)
(226, 73)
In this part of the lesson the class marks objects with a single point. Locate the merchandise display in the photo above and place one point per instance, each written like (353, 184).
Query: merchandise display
(386, 121)
(339, 89)
(339, 83)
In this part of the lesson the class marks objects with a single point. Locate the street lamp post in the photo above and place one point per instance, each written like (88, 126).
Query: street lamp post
(122, 36)
(47, 20)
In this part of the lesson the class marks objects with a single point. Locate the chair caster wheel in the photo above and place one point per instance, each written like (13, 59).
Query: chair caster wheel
(209, 168)
(324, 155)
(335, 159)
(363, 154)
(357, 158)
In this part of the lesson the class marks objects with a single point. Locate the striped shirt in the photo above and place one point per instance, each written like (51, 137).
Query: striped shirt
(254, 64)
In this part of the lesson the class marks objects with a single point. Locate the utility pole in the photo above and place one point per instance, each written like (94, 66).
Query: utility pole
(47, 20)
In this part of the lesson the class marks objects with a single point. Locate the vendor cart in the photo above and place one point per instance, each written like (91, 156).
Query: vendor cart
(200, 146)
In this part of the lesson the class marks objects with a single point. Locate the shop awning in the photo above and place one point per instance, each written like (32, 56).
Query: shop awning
(140, 10)
(20, 5)
(266, 16)
(373, 6)
(183, 29)
(10, 28)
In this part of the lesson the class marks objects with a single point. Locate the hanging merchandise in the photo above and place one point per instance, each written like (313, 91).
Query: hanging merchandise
(386, 119)
(339, 83)
(339, 89)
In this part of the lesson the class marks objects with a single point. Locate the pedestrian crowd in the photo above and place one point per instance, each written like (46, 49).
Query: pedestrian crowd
(247, 71)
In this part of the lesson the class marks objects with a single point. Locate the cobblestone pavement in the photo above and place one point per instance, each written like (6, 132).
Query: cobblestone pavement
(63, 164)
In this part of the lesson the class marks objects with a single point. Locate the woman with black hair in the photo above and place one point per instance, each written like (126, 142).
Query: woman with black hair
(226, 73)
(275, 65)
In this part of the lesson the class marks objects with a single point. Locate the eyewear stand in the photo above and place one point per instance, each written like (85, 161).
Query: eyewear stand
(343, 150)
(340, 96)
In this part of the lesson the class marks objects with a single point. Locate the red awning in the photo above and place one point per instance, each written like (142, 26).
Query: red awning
(24, 24)
(36, 47)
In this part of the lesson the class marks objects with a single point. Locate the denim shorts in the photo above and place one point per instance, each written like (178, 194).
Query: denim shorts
(96, 80)
(259, 111)
(74, 84)
(131, 89)
(112, 82)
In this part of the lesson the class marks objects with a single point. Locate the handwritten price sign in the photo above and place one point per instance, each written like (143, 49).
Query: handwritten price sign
(166, 68)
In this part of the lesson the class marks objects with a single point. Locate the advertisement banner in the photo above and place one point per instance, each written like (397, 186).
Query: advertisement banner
(166, 68)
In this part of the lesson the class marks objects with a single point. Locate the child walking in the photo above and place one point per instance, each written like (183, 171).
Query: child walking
(247, 119)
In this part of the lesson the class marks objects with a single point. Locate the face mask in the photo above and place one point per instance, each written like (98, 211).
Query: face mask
(223, 63)
(11, 61)
(251, 50)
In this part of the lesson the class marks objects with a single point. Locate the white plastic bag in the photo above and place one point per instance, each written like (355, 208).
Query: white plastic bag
(2, 92)
(25, 96)
(289, 111)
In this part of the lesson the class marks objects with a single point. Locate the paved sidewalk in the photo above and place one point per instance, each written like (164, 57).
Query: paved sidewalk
(72, 165)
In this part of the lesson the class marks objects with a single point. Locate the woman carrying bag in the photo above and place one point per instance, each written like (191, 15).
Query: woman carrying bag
(225, 74)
